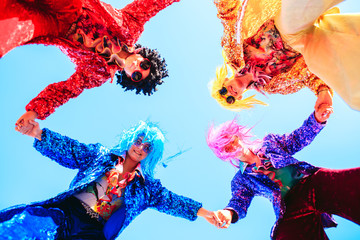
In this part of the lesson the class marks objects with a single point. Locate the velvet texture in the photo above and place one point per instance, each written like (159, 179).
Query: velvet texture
(330, 191)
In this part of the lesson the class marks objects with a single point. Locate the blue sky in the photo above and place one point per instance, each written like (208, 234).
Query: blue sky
(188, 36)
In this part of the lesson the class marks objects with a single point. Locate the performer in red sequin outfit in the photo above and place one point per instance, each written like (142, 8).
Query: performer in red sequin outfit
(98, 38)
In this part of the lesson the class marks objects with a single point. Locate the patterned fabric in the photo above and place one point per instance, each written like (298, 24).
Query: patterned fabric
(93, 161)
(279, 150)
(266, 52)
(249, 32)
(117, 181)
(95, 18)
(285, 177)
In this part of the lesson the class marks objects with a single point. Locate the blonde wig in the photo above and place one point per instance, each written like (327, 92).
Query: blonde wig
(217, 84)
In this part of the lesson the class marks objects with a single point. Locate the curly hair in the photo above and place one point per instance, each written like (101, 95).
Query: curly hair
(157, 72)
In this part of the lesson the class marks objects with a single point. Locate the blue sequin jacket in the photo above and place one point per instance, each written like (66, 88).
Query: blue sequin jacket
(279, 150)
(93, 160)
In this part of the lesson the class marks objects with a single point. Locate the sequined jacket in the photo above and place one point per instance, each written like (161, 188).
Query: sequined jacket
(92, 70)
(244, 20)
(279, 150)
(92, 161)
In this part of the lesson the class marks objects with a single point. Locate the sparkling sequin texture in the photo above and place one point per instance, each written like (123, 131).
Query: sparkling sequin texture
(93, 161)
(279, 150)
(243, 19)
(54, 23)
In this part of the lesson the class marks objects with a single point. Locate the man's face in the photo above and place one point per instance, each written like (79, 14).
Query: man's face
(139, 150)
(136, 67)
(235, 145)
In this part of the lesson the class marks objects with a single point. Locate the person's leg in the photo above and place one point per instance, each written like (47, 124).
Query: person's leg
(337, 192)
(22, 21)
(79, 223)
(301, 219)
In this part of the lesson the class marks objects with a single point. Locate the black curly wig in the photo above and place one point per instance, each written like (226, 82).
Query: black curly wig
(157, 72)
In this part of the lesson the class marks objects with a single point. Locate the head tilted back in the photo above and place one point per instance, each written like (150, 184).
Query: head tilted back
(151, 134)
(158, 71)
(219, 137)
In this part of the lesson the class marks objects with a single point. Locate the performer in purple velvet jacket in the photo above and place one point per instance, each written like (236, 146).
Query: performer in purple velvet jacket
(303, 196)
(111, 188)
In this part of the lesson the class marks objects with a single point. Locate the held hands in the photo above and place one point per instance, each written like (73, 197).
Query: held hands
(208, 215)
(220, 219)
(224, 218)
(26, 125)
(23, 125)
(323, 105)
(323, 112)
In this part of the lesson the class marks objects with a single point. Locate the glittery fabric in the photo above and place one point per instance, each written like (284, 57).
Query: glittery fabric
(242, 21)
(279, 150)
(33, 223)
(53, 22)
(93, 161)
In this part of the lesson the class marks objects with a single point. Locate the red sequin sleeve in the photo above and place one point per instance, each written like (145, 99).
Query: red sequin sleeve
(57, 94)
(137, 13)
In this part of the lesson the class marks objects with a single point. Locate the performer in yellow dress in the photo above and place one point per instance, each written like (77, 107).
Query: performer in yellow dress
(281, 47)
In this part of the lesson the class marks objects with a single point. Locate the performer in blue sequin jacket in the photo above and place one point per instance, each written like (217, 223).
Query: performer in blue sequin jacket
(303, 196)
(111, 188)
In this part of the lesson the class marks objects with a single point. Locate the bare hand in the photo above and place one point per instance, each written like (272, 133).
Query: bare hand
(323, 112)
(324, 97)
(209, 216)
(224, 217)
(23, 125)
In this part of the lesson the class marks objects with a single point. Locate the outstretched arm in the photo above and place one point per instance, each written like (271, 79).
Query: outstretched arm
(137, 13)
(228, 13)
(57, 94)
(168, 202)
(280, 148)
(236, 209)
(63, 150)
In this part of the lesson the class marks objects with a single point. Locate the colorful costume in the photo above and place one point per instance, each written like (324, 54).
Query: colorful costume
(93, 162)
(293, 44)
(303, 196)
(90, 32)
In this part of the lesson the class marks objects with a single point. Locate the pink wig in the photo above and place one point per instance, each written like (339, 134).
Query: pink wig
(218, 137)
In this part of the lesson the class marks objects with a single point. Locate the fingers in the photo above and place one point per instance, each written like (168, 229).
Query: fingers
(19, 124)
(25, 127)
(223, 220)
(323, 112)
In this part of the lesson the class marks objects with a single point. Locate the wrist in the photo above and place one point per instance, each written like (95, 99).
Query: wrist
(38, 134)
(202, 212)
(323, 89)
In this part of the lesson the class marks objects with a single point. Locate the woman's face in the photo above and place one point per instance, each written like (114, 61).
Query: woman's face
(133, 65)
(238, 85)
(139, 150)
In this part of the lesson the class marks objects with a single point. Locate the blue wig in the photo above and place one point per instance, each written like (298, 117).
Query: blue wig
(152, 135)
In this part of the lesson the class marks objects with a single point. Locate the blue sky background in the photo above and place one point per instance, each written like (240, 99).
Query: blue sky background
(188, 36)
